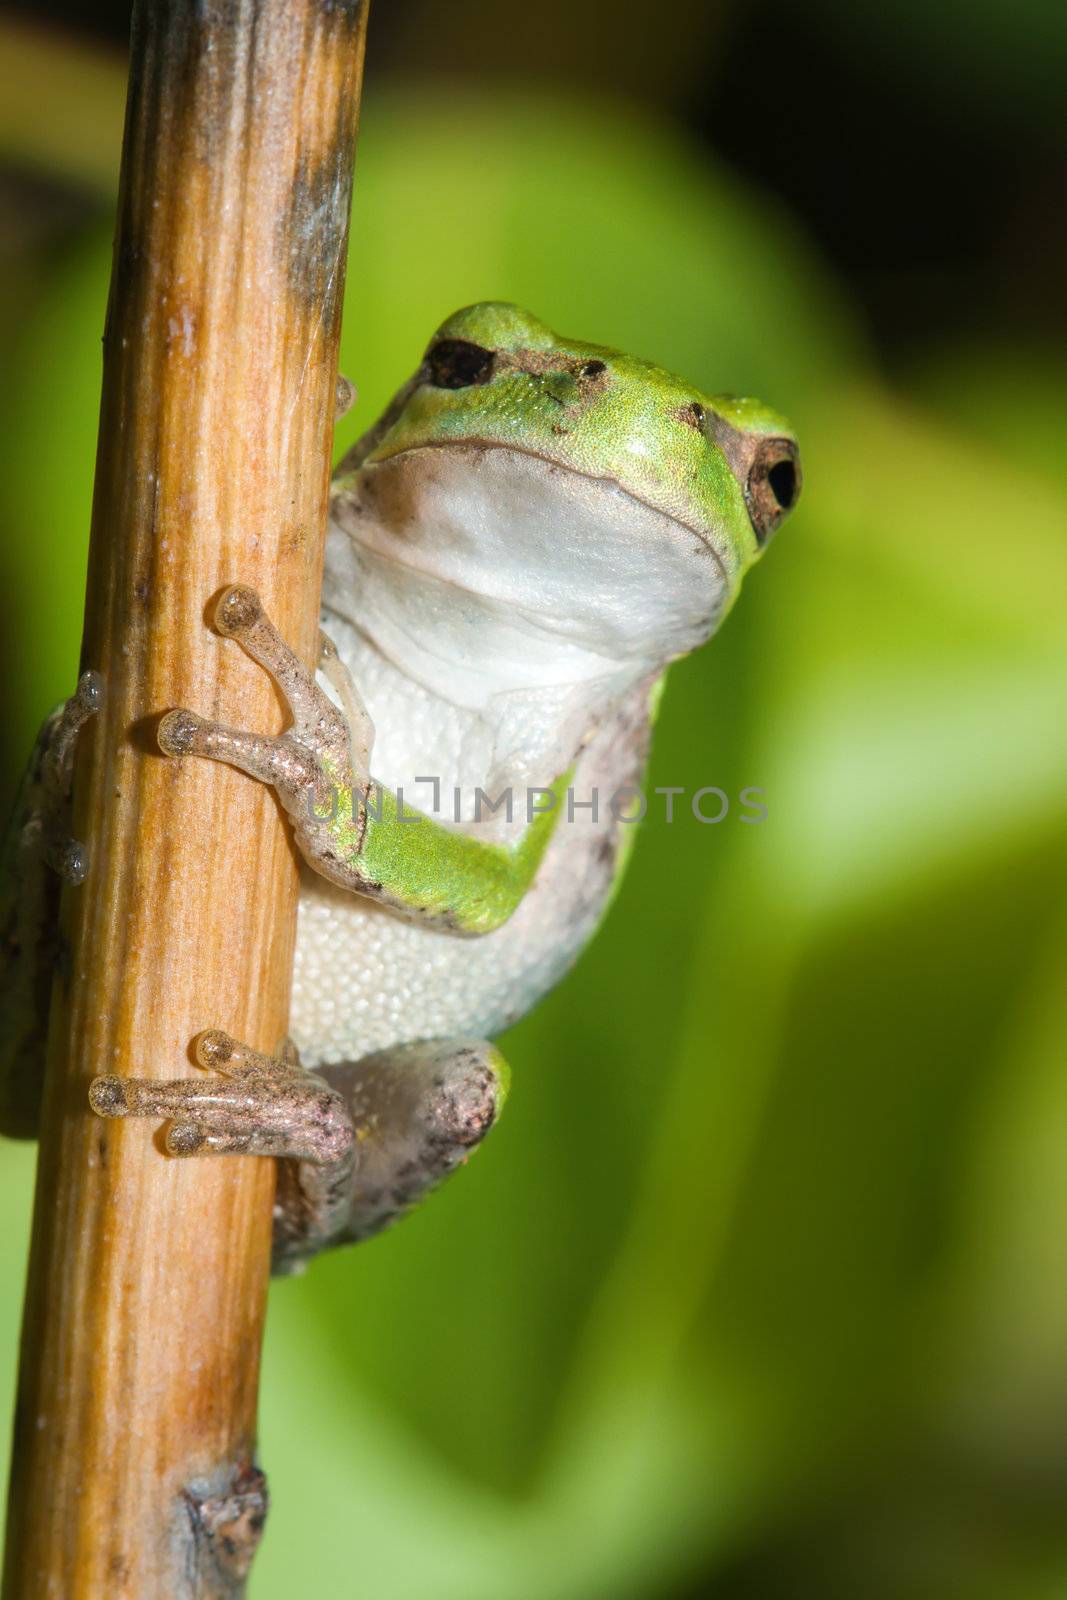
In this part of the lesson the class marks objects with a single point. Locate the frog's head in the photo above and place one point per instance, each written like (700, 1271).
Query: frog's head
(577, 482)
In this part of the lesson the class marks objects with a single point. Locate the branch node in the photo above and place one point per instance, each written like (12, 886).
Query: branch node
(226, 1522)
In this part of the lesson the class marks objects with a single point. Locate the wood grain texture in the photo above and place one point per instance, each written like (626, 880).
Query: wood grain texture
(134, 1471)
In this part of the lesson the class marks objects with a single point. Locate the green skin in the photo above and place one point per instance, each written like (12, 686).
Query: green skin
(499, 407)
(632, 424)
(622, 426)
(446, 878)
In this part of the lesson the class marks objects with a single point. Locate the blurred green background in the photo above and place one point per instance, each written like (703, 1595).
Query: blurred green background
(760, 1288)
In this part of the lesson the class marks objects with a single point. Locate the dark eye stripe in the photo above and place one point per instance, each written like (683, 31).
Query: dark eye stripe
(458, 364)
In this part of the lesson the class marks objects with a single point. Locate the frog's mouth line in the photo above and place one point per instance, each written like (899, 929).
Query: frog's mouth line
(566, 468)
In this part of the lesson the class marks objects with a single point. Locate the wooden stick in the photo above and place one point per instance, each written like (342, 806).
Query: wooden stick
(134, 1471)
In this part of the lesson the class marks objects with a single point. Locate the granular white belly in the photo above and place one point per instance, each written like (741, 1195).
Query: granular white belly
(364, 979)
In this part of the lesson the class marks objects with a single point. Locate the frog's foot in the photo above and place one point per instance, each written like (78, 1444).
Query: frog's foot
(418, 1111)
(260, 1105)
(324, 750)
(47, 826)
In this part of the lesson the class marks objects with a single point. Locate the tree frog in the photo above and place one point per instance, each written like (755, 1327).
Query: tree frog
(532, 532)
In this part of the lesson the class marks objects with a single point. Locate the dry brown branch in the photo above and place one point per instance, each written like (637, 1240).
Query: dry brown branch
(134, 1466)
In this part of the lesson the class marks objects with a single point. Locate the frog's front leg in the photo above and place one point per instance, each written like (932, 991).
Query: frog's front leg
(360, 1143)
(319, 769)
(39, 855)
(323, 751)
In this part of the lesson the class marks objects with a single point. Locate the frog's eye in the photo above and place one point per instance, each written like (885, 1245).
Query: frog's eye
(457, 364)
(773, 487)
(592, 369)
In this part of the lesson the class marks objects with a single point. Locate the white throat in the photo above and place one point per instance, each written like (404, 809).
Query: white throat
(521, 599)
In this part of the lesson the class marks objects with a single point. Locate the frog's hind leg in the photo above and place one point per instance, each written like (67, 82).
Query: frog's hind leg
(260, 1105)
(418, 1111)
(38, 856)
(359, 1143)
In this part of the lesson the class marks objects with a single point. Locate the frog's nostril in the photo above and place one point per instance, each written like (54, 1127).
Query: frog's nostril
(782, 478)
(693, 415)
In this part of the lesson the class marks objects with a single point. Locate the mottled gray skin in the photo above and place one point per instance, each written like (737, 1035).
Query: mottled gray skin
(38, 855)
(420, 1109)
(358, 1143)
